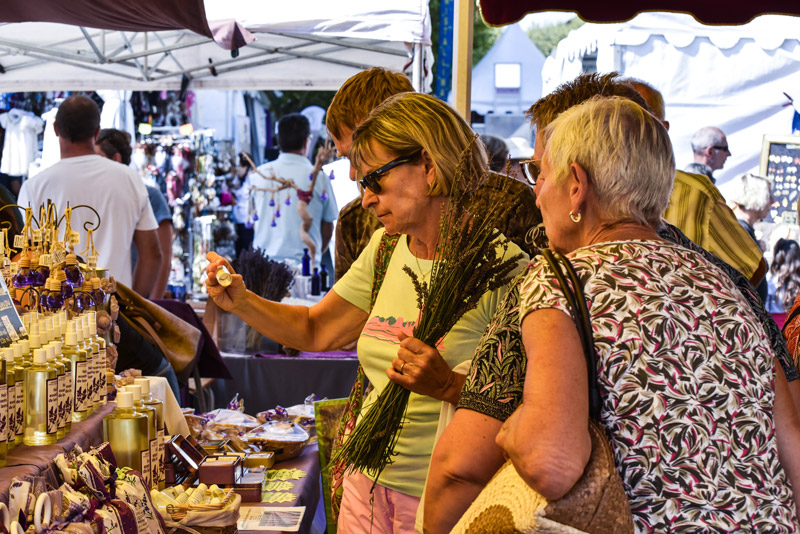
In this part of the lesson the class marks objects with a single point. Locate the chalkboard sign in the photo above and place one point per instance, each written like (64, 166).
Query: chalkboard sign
(780, 161)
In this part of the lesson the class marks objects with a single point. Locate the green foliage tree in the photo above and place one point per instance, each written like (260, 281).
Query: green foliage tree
(546, 38)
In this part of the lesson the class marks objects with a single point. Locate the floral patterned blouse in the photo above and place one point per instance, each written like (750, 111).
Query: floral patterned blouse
(686, 376)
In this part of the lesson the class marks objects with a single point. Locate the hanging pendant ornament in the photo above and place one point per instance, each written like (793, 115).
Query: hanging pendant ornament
(311, 177)
(331, 176)
(273, 224)
(272, 201)
(324, 195)
(278, 213)
(288, 200)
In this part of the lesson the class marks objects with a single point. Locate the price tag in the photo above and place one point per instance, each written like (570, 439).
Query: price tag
(91, 262)
(2, 247)
(19, 241)
(46, 260)
(59, 256)
(74, 238)
(36, 235)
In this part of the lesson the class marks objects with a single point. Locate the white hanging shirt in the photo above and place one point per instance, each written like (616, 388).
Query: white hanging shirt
(21, 141)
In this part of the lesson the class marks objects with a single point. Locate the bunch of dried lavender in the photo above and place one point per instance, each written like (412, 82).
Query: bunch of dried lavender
(469, 261)
(266, 278)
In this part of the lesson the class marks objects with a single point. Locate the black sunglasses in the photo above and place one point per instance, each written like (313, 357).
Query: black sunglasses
(530, 170)
(724, 148)
(370, 180)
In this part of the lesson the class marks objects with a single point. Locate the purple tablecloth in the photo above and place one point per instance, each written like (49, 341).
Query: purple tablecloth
(38, 461)
(306, 490)
(266, 381)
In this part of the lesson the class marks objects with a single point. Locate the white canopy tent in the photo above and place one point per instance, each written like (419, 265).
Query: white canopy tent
(732, 77)
(309, 45)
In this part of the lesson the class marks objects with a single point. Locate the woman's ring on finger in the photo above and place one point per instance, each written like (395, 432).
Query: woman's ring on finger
(401, 368)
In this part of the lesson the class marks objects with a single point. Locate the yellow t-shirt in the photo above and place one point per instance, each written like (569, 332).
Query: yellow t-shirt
(396, 310)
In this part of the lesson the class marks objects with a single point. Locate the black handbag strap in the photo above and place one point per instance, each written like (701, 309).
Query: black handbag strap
(791, 317)
(576, 301)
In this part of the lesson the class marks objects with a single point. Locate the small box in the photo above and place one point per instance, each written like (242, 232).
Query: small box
(259, 459)
(220, 469)
(249, 485)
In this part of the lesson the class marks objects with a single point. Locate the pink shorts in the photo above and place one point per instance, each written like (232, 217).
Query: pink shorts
(389, 512)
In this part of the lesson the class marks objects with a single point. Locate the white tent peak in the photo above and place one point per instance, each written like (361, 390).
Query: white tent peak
(513, 46)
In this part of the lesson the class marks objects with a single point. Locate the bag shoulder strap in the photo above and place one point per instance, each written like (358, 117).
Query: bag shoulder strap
(791, 317)
(576, 301)
(385, 251)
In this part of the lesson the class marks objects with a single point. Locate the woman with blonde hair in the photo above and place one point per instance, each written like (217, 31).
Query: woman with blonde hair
(406, 154)
(683, 365)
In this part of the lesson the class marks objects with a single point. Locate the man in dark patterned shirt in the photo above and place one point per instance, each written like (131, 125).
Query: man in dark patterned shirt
(353, 102)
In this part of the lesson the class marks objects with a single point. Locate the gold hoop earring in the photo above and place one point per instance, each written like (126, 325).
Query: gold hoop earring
(575, 218)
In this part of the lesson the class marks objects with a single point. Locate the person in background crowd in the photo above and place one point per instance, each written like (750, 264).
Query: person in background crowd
(698, 208)
(116, 145)
(710, 149)
(351, 105)
(113, 189)
(605, 177)
(784, 279)
(407, 151)
(751, 197)
(494, 385)
(241, 210)
(498, 153)
(278, 229)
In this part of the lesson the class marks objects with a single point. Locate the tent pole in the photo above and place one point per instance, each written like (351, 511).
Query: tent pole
(464, 17)
(416, 68)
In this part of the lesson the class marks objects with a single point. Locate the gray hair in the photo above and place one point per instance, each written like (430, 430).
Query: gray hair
(706, 137)
(750, 192)
(625, 150)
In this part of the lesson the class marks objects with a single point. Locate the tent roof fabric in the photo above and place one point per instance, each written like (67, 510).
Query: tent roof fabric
(141, 15)
(288, 46)
(502, 12)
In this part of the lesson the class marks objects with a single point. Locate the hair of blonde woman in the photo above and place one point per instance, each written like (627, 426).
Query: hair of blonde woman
(407, 123)
(625, 151)
(362, 93)
(750, 192)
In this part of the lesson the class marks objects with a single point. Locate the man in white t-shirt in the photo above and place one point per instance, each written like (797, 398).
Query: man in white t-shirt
(277, 230)
(115, 191)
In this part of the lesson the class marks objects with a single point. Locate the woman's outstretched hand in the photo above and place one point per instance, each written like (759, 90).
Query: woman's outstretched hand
(421, 369)
(226, 297)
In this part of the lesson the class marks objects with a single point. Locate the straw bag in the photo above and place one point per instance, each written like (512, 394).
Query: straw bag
(597, 502)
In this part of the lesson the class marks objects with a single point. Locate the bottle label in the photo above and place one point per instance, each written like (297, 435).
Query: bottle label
(79, 393)
(52, 406)
(160, 466)
(96, 379)
(89, 380)
(20, 407)
(153, 462)
(68, 396)
(62, 404)
(11, 392)
(103, 371)
(3, 413)
(146, 468)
